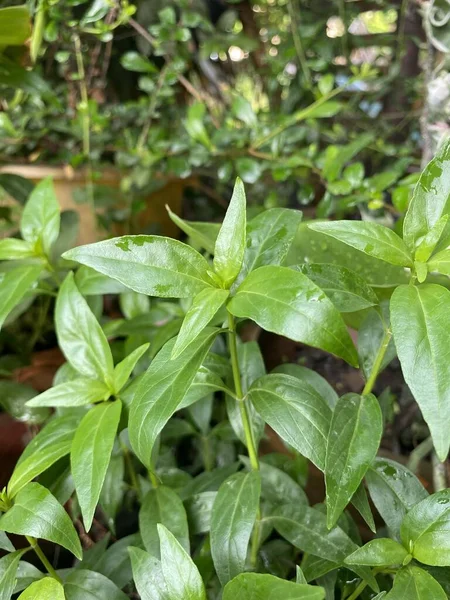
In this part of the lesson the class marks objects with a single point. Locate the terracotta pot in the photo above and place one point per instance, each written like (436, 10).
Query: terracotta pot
(68, 180)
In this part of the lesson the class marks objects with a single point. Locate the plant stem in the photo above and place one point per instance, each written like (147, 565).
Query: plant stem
(345, 48)
(251, 447)
(44, 560)
(131, 471)
(83, 108)
(439, 474)
(361, 587)
(40, 322)
(298, 44)
(419, 453)
(377, 363)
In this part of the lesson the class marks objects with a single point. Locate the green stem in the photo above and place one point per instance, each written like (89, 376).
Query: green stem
(345, 48)
(361, 587)
(131, 471)
(206, 453)
(401, 30)
(377, 363)
(153, 477)
(298, 44)
(40, 322)
(85, 119)
(44, 560)
(419, 453)
(251, 447)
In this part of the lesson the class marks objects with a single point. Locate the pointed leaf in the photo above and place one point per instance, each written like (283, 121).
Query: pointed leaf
(44, 589)
(148, 575)
(413, 583)
(5, 543)
(40, 217)
(162, 505)
(91, 453)
(429, 242)
(361, 502)
(371, 336)
(371, 238)
(204, 306)
(182, 577)
(394, 491)
(353, 441)
(8, 571)
(232, 519)
(255, 586)
(293, 306)
(82, 584)
(345, 288)
(319, 383)
(133, 304)
(36, 464)
(425, 530)
(202, 234)
(294, 409)
(80, 336)
(381, 552)
(38, 514)
(148, 264)
(14, 284)
(231, 241)
(161, 391)
(123, 370)
(78, 392)
(417, 315)
(440, 262)
(430, 199)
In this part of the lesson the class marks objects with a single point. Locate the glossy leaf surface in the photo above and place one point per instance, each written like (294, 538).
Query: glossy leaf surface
(45, 589)
(40, 217)
(256, 586)
(78, 392)
(413, 583)
(14, 284)
(381, 552)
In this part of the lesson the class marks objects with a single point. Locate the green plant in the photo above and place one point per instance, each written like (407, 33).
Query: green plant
(228, 523)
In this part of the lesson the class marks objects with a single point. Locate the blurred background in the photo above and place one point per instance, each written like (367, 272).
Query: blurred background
(330, 107)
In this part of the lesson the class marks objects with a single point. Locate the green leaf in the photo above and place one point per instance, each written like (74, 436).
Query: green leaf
(353, 441)
(381, 552)
(295, 410)
(148, 264)
(321, 385)
(203, 234)
(13, 399)
(90, 455)
(371, 238)
(425, 530)
(182, 577)
(431, 199)
(413, 583)
(440, 262)
(429, 242)
(242, 109)
(133, 304)
(78, 392)
(5, 544)
(40, 217)
(134, 61)
(295, 307)
(14, 284)
(161, 391)
(346, 289)
(148, 575)
(269, 238)
(231, 241)
(8, 571)
(306, 529)
(232, 520)
(38, 514)
(82, 584)
(80, 336)
(44, 589)
(16, 186)
(13, 249)
(394, 491)
(162, 505)
(58, 430)
(15, 26)
(256, 586)
(195, 124)
(115, 562)
(277, 487)
(36, 464)
(417, 315)
(124, 369)
(198, 510)
(90, 283)
(361, 502)
(204, 306)
(112, 493)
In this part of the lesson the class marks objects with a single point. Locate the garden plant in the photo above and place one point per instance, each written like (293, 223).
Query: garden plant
(171, 378)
